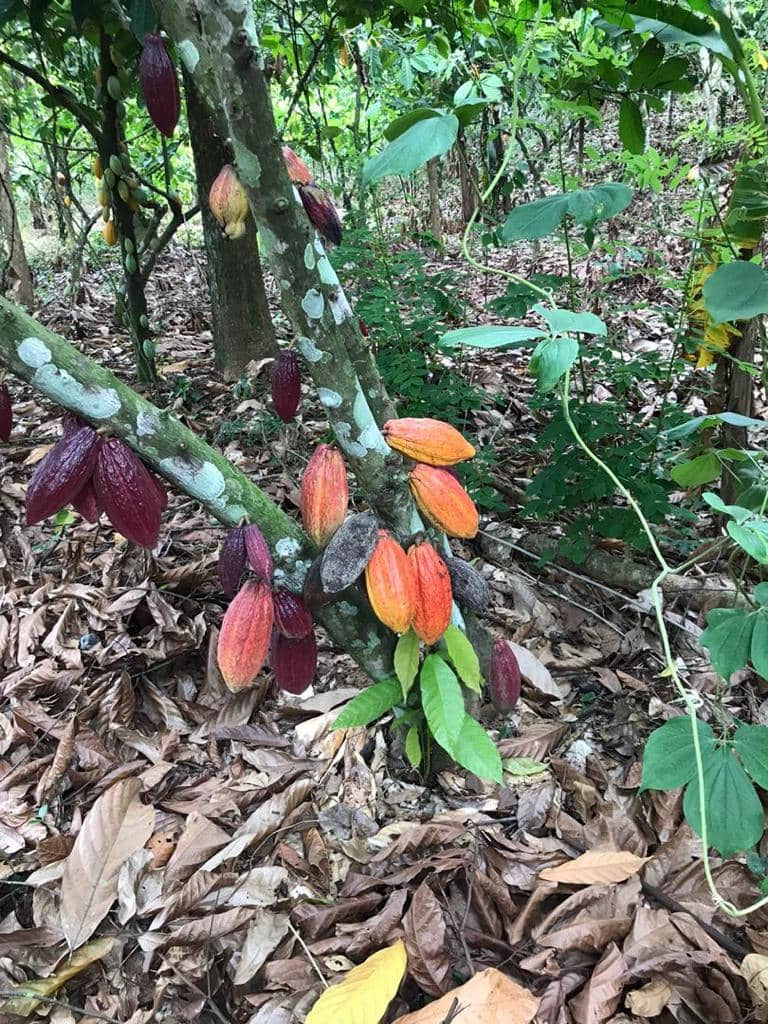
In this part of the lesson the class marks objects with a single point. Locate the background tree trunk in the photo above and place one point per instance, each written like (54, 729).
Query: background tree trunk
(433, 181)
(240, 317)
(23, 288)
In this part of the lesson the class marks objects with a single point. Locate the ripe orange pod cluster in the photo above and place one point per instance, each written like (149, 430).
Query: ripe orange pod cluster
(434, 600)
(245, 635)
(443, 501)
(324, 494)
(391, 584)
(427, 440)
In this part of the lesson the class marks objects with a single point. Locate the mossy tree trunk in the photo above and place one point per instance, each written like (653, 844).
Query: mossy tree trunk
(16, 255)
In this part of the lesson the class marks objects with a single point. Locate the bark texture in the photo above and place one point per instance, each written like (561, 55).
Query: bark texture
(16, 256)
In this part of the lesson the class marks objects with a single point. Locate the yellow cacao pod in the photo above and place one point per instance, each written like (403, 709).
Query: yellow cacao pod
(434, 599)
(443, 500)
(245, 635)
(96, 167)
(324, 494)
(228, 201)
(426, 440)
(110, 232)
(391, 585)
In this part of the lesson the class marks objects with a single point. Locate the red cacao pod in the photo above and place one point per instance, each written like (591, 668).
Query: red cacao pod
(259, 555)
(244, 637)
(427, 440)
(444, 501)
(232, 560)
(127, 493)
(321, 211)
(292, 617)
(391, 584)
(286, 385)
(434, 599)
(298, 171)
(228, 202)
(87, 504)
(294, 662)
(324, 494)
(62, 474)
(6, 413)
(159, 84)
(504, 677)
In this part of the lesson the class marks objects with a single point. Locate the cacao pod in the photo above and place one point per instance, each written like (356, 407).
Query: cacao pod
(314, 595)
(286, 385)
(110, 232)
(6, 413)
(391, 584)
(228, 201)
(115, 165)
(324, 494)
(96, 168)
(321, 211)
(244, 637)
(162, 494)
(443, 500)
(63, 473)
(232, 560)
(470, 589)
(434, 599)
(426, 440)
(87, 504)
(292, 618)
(294, 662)
(504, 677)
(159, 84)
(298, 171)
(348, 552)
(259, 555)
(127, 492)
(114, 89)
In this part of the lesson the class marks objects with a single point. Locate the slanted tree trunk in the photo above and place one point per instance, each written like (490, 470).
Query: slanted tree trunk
(22, 286)
(433, 182)
(241, 321)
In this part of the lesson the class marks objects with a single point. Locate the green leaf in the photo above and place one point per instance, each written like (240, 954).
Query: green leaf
(735, 818)
(536, 219)
(737, 512)
(475, 750)
(491, 337)
(735, 419)
(728, 638)
(758, 649)
(467, 110)
(524, 766)
(760, 593)
(564, 321)
(736, 291)
(701, 470)
(751, 744)
(645, 64)
(413, 746)
(462, 654)
(750, 540)
(631, 126)
(442, 701)
(422, 141)
(407, 660)
(551, 358)
(669, 759)
(370, 704)
(589, 205)
(404, 121)
(143, 18)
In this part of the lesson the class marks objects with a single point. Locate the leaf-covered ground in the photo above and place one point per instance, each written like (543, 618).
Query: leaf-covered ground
(225, 858)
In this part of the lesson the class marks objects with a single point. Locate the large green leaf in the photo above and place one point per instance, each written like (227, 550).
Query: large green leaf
(631, 126)
(407, 660)
(370, 704)
(758, 649)
(475, 750)
(589, 205)
(751, 744)
(418, 144)
(667, 22)
(669, 759)
(564, 321)
(551, 358)
(442, 701)
(728, 638)
(735, 818)
(701, 470)
(735, 419)
(736, 291)
(536, 219)
(491, 337)
(405, 121)
(462, 654)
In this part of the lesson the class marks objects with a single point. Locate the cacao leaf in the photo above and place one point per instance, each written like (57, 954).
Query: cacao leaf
(364, 994)
(596, 867)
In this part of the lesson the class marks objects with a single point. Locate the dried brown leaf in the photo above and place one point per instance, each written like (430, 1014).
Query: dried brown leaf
(597, 867)
(32, 994)
(649, 1000)
(203, 930)
(599, 998)
(488, 998)
(429, 962)
(265, 932)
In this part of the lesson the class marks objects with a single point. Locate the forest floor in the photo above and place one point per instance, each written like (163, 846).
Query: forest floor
(283, 852)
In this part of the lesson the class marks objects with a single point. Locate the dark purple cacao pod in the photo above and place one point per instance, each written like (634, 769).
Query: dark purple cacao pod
(232, 560)
(162, 494)
(87, 504)
(286, 385)
(127, 493)
(294, 662)
(62, 474)
(470, 589)
(504, 677)
(6, 413)
(348, 552)
(314, 595)
(159, 84)
(259, 555)
(292, 617)
(321, 212)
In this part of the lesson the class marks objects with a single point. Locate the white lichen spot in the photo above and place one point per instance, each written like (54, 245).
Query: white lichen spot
(297, 197)
(202, 480)
(330, 399)
(95, 403)
(287, 548)
(372, 392)
(189, 54)
(326, 271)
(340, 308)
(417, 523)
(319, 248)
(236, 512)
(285, 284)
(346, 609)
(34, 352)
(146, 424)
(309, 257)
(309, 350)
(458, 619)
(281, 247)
(370, 436)
(313, 304)
(348, 445)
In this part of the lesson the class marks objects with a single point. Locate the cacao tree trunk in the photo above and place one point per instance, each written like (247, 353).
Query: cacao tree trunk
(241, 321)
(467, 194)
(433, 181)
(70, 379)
(16, 255)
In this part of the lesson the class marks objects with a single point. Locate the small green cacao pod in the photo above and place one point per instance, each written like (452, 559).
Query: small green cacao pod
(139, 195)
(98, 95)
(148, 347)
(144, 319)
(110, 177)
(129, 246)
(123, 191)
(130, 263)
(114, 88)
(116, 165)
(125, 160)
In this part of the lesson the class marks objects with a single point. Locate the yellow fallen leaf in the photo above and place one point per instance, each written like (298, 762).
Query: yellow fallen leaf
(24, 999)
(596, 868)
(754, 970)
(488, 998)
(365, 993)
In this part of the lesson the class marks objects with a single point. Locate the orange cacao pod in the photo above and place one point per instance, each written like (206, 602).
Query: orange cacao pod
(426, 440)
(228, 202)
(434, 600)
(324, 494)
(298, 171)
(245, 634)
(391, 584)
(110, 232)
(444, 501)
